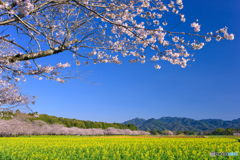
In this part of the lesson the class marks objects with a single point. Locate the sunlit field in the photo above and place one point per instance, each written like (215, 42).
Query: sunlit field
(115, 147)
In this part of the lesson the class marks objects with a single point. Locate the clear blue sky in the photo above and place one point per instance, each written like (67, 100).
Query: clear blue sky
(209, 88)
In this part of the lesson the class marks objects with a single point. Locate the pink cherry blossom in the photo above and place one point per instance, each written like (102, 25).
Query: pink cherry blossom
(108, 30)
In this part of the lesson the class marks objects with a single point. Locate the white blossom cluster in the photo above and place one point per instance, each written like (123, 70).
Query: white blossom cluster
(22, 7)
(99, 31)
(10, 92)
(38, 127)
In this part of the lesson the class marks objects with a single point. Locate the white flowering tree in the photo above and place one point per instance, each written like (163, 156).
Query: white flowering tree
(38, 127)
(109, 29)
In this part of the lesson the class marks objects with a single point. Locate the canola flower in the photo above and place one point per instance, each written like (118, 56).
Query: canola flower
(114, 148)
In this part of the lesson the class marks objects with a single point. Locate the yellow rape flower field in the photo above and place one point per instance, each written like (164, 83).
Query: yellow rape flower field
(115, 147)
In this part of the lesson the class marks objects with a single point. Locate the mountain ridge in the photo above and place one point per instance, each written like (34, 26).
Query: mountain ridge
(183, 124)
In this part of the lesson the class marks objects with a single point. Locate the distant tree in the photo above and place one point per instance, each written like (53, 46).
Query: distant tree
(219, 131)
(98, 125)
(154, 132)
(132, 127)
(87, 124)
(82, 125)
(159, 131)
(170, 133)
(67, 122)
(76, 124)
(104, 125)
(92, 125)
(166, 132)
(193, 133)
(17, 111)
(229, 131)
(187, 132)
(179, 132)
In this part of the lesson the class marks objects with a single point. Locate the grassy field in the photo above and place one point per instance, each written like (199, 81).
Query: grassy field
(116, 147)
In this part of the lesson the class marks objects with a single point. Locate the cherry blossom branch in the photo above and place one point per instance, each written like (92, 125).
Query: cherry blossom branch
(36, 55)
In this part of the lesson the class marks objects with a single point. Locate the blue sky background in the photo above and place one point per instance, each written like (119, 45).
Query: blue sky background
(209, 88)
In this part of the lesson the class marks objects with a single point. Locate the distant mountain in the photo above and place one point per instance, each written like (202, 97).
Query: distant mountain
(183, 124)
(136, 121)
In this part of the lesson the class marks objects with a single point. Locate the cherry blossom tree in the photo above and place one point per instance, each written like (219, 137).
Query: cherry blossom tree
(18, 126)
(108, 29)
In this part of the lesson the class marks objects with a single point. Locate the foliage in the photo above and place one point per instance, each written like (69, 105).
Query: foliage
(17, 111)
(229, 131)
(154, 132)
(66, 147)
(81, 123)
(67, 122)
(165, 132)
(179, 132)
(219, 131)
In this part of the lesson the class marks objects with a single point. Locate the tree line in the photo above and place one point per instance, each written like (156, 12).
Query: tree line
(218, 131)
(166, 132)
(82, 124)
(103, 125)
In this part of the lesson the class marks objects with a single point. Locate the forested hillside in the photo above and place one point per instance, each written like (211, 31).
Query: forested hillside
(65, 121)
(183, 124)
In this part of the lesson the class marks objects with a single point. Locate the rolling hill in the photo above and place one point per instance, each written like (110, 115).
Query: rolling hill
(183, 124)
